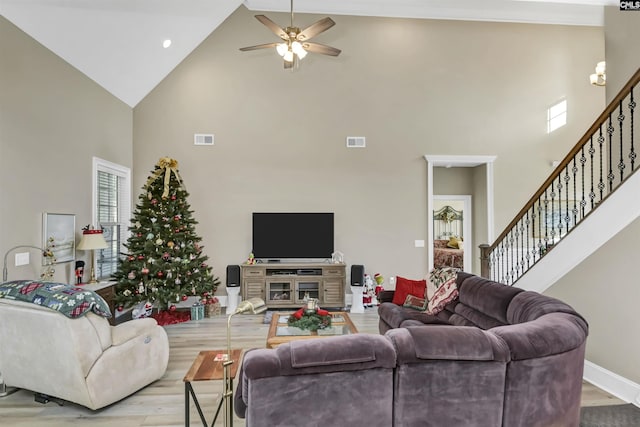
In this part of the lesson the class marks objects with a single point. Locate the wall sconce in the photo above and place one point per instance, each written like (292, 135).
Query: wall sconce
(600, 76)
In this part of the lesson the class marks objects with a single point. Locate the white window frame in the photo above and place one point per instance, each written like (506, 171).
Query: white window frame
(124, 200)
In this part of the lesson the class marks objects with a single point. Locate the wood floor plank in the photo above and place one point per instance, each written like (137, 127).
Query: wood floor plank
(161, 404)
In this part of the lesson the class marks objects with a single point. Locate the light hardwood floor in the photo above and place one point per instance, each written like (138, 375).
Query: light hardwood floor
(162, 403)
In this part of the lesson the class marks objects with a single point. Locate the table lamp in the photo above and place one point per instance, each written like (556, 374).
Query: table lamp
(91, 240)
(250, 306)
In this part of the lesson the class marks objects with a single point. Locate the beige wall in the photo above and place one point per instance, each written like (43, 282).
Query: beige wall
(53, 120)
(412, 87)
(622, 47)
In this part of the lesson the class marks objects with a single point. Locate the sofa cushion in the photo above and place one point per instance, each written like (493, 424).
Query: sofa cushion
(316, 353)
(529, 305)
(439, 342)
(553, 333)
(490, 298)
(406, 287)
(312, 356)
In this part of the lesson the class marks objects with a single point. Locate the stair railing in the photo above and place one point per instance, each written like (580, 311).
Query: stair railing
(596, 166)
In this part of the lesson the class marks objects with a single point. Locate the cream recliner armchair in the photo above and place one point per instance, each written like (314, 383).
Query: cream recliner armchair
(83, 360)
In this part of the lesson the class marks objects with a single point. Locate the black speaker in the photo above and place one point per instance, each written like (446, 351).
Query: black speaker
(233, 276)
(357, 275)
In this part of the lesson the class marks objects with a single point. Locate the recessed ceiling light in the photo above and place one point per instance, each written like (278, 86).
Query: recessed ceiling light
(166, 43)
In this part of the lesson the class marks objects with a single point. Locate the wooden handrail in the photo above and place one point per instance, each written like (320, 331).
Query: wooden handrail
(563, 164)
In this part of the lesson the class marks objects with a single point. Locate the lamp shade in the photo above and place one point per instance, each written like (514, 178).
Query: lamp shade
(92, 239)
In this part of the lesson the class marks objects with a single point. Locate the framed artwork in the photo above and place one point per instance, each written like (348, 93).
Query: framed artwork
(58, 233)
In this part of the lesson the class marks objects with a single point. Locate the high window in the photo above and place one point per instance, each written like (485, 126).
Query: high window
(557, 116)
(112, 212)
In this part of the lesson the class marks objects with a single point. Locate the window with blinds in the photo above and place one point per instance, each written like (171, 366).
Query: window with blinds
(112, 213)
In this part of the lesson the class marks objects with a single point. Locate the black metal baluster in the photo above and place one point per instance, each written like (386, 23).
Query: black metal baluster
(601, 183)
(632, 153)
(621, 165)
(610, 175)
(574, 169)
(583, 161)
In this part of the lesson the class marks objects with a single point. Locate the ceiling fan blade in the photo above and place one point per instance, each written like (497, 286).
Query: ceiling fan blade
(315, 29)
(273, 27)
(259, 46)
(321, 48)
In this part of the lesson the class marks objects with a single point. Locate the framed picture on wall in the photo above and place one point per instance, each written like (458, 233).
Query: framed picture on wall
(58, 233)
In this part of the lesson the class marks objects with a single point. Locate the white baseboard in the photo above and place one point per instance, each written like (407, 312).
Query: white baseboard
(612, 383)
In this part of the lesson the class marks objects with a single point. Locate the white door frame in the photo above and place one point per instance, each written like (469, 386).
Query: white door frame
(457, 161)
(467, 215)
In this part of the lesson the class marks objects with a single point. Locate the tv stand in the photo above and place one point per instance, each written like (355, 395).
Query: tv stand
(284, 285)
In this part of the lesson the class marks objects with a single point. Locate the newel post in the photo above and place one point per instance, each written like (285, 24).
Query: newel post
(485, 269)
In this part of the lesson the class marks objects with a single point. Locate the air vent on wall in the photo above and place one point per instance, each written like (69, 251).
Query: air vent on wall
(202, 139)
(356, 142)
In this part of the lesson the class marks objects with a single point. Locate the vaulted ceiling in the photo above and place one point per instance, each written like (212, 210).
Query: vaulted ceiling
(118, 43)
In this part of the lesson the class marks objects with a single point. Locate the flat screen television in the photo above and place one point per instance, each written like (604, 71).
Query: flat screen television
(282, 235)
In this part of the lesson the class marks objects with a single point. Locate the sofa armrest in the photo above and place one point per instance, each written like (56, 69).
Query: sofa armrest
(385, 296)
(131, 329)
(437, 342)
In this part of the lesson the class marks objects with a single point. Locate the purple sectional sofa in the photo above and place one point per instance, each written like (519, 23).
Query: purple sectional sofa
(497, 356)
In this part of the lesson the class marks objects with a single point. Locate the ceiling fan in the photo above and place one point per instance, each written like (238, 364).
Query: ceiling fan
(295, 45)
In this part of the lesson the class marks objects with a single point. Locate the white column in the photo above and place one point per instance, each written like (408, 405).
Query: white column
(232, 298)
(356, 303)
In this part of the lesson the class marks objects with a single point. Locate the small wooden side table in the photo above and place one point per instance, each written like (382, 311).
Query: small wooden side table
(107, 290)
(206, 368)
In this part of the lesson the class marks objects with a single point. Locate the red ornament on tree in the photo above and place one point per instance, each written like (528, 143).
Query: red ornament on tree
(160, 274)
(184, 297)
(120, 308)
(172, 307)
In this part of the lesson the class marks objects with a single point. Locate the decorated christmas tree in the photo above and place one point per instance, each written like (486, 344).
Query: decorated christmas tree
(164, 263)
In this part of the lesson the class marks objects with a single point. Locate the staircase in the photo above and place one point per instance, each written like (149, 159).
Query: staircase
(589, 197)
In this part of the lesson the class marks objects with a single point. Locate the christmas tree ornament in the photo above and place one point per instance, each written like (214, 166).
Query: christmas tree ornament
(159, 242)
(166, 256)
(137, 224)
(150, 236)
(160, 274)
(153, 220)
(145, 270)
(131, 275)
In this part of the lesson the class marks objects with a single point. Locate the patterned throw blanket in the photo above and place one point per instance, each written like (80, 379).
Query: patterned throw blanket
(69, 300)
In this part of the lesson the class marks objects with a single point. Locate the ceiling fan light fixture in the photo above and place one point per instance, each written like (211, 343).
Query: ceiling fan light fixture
(282, 49)
(297, 48)
(288, 56)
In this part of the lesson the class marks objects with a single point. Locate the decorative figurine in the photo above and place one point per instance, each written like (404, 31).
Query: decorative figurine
(79, 272)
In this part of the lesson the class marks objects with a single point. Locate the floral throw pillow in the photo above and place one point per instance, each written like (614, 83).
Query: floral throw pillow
(415, 302)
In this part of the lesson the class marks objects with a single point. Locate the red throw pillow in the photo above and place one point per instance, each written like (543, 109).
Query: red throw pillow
(406, 287)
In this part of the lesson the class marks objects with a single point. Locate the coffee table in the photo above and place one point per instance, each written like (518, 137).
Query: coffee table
(280, 332)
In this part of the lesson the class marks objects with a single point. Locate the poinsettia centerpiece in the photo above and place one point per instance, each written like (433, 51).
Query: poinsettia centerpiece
(311, 319)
